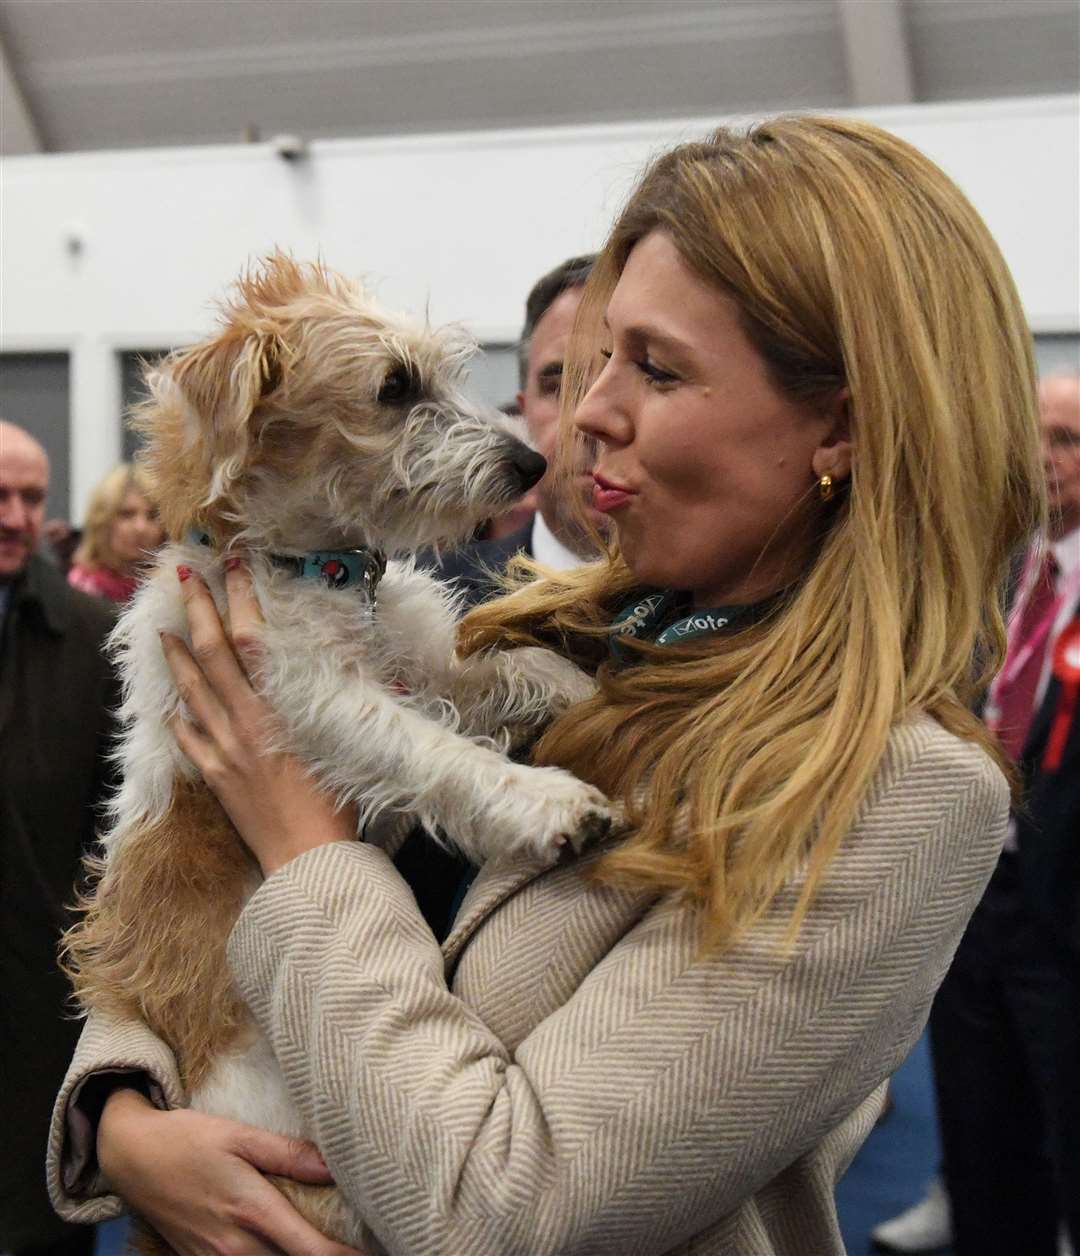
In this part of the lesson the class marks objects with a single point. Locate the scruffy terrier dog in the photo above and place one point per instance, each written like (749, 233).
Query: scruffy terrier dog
(320, 435)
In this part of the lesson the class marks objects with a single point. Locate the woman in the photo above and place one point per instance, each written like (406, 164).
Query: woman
(121, 527)
(806, 369)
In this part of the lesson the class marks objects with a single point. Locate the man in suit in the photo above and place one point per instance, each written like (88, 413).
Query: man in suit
(1005, 1027)
(552, 536)
(56, 691)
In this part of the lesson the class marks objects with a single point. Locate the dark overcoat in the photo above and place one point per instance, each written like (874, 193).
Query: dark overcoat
(1048, 824)
(56, 692)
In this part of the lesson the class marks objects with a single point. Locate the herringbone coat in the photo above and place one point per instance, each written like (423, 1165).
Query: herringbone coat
(569, 1074)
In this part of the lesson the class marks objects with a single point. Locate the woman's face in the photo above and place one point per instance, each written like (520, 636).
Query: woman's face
(135, 529)
(708, 471)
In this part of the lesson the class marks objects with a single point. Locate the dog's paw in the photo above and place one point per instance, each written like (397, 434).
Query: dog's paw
(552, 683)
(554, 811)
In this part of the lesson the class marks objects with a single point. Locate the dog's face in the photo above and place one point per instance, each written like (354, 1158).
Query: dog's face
(316, 419)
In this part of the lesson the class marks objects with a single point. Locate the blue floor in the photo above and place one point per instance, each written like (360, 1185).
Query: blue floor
(887, 1176)
(896, 1161)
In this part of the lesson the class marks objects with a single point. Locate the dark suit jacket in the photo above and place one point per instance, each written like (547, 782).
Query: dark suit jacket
(55, 694)
(470, 568)
(1048, 826)
(437, 876)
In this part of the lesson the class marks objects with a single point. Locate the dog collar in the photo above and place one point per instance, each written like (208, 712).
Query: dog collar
(337, 569)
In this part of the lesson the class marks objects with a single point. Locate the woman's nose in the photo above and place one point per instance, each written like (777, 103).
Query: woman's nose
(600, 414)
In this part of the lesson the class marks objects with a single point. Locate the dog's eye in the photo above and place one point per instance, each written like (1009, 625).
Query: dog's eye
(397, 385)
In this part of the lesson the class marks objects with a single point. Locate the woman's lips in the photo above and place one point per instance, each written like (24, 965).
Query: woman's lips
(607, 496)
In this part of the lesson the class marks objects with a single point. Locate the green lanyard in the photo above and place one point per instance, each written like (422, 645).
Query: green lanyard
(649, 618)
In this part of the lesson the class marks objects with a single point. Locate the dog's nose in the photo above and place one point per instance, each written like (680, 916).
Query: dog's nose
(529, 466)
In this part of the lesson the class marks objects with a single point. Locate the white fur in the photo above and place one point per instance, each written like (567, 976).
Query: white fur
(378, 703)
(246, 1085)
(332, 670)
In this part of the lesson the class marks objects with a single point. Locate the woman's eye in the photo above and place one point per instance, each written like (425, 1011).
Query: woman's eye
(653, 373)
(656, 373)
(396, 385)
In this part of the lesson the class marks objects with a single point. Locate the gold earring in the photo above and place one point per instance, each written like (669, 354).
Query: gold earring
(825, 487)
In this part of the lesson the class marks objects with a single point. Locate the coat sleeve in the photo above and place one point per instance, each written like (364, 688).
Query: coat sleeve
(665, 1091)
(111, 1053)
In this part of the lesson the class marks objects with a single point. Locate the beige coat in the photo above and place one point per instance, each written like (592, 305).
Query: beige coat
(569, 1074)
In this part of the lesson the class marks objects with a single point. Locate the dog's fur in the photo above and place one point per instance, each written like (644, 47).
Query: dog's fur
(278, 436)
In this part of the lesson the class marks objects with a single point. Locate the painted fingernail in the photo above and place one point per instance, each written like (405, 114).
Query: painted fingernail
(183, 573)
(232, 563)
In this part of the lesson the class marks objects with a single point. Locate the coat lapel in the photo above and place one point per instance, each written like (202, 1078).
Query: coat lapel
(502, 877)
(1040, 725)
(41, 593)
(9, 665)
(496, 882)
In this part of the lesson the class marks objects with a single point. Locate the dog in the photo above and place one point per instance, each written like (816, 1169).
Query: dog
(328, 440)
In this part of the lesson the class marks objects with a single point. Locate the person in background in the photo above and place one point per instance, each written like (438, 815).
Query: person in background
(56, 691)
(557, 539)
(998, 1012)
(121, 528)
(551, 533)
(546, 529)
(1005, 1028)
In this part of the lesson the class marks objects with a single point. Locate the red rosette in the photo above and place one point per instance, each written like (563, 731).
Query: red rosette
(1067, 670)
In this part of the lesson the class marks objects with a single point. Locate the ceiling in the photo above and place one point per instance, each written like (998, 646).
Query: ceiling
(104, 74)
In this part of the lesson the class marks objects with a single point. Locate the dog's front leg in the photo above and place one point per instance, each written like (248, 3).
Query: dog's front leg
(515, 691)
(494, 692)
(376, 750)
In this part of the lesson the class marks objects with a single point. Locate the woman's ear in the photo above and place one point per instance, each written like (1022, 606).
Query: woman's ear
(835, 454)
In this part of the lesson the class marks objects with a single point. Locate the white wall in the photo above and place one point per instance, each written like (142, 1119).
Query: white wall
(461, 223)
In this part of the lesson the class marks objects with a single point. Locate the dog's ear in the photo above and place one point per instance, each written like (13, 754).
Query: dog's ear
(224, 380)
(208, 397)
(265, 351)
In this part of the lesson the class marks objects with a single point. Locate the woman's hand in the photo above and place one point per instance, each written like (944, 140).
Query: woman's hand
(271, 798)
(198, 1180)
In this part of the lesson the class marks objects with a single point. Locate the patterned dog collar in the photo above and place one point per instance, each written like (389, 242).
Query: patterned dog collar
(336, 569)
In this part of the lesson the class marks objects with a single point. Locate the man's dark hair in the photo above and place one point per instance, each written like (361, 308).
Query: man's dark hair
(569, 274)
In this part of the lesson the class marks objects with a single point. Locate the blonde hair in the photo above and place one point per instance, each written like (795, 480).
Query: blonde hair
(95, 548)
(855, 262)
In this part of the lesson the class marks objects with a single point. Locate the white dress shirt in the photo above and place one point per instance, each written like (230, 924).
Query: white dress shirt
(549, 550)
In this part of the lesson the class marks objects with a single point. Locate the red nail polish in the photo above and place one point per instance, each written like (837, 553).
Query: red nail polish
(183, 573)
(232, 563)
